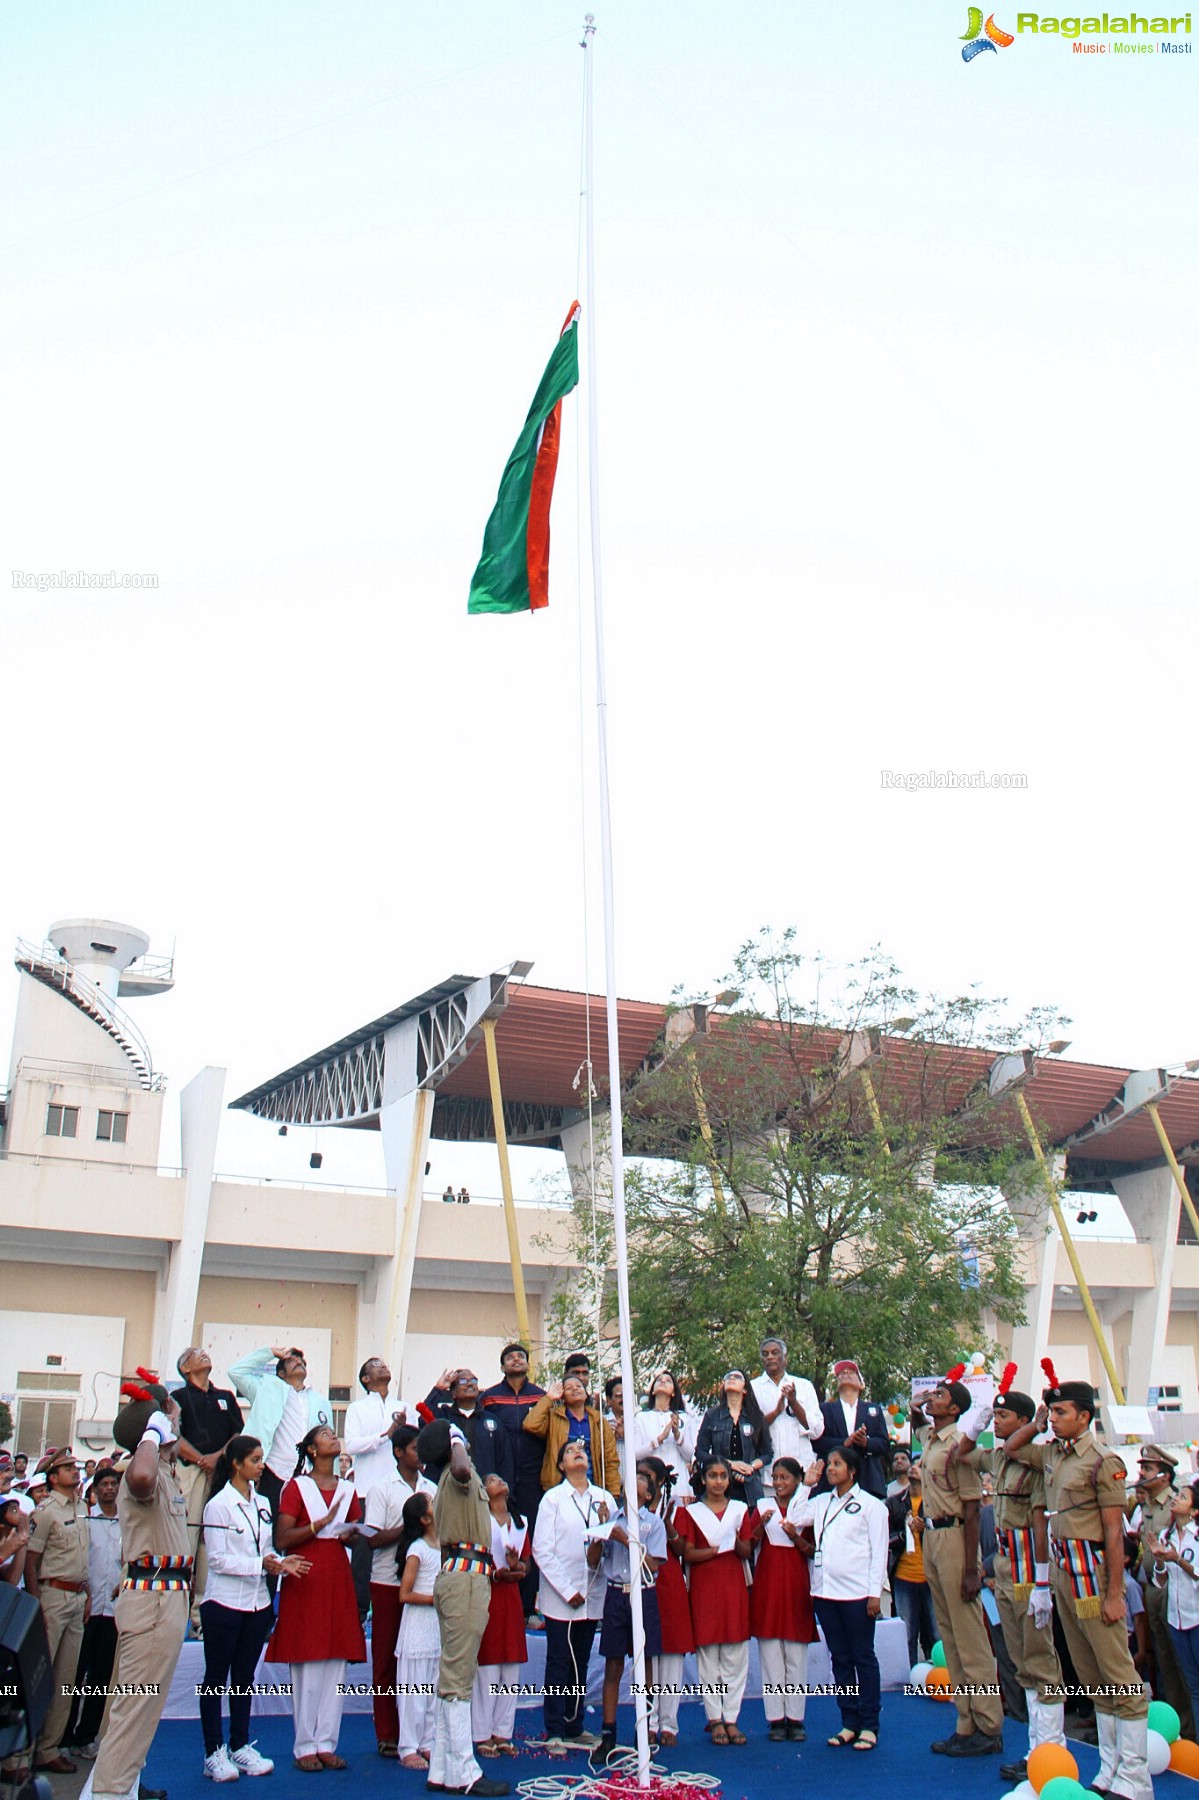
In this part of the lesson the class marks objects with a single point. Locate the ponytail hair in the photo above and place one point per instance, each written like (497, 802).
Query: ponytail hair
(304, 1447)
(412, 1527)
(235, 1451)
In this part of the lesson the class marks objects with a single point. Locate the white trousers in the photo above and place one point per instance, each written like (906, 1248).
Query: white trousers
(668, 1673)
(723, 1672)
(452, 1764)
(785, 1669)
(492, 1714)
(417, 1706)
(317, 1705)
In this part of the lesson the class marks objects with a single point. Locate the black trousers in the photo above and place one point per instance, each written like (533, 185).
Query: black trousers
(567, 1653)
(849, 1633)
(526, 1495)
(97, 1654)
(233, 1643)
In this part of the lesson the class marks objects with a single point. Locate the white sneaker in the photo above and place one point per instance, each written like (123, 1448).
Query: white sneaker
(250, 1762)
(88, 1751)
(217, 1767)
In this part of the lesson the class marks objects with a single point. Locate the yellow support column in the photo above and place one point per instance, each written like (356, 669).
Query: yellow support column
(1167, 1151)
(1055, 1203)
(705, 1131)
(501, 1144)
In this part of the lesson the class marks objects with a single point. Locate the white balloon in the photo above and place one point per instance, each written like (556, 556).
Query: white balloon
(1159, 1753)
(1025, 1791)
(919, 1673)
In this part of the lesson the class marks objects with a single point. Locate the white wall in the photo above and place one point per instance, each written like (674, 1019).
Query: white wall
(91, 1346)
(229, 1343)
(427, 1353)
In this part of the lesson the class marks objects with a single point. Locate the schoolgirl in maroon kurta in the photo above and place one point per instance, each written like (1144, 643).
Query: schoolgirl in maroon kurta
(781, 1614)
(503, 1651)
(318, 1631)
(715, 1538)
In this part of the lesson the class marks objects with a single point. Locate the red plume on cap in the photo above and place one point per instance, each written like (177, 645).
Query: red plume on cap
(1050, 1372)
(132, 1391)
(1007, 1379)
(956, 1373)
(150, 1375)
(424, 1413)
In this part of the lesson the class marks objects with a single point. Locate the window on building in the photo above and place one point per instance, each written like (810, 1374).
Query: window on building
(1166, 1399)
(62, 1121)
(112, 1127)
(47, 1403)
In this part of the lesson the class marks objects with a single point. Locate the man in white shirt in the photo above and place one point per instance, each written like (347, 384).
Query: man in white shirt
(7, 1490)
(105, 1572)
(367, 1438)
(790, 1406)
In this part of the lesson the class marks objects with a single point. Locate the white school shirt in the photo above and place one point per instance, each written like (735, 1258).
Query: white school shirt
(237, 1535)
(384, 1511)
(564, 1515)
(851, 1544)
(1182, 1593)
(289, 1433)
(786, 1433)
(367, 1422)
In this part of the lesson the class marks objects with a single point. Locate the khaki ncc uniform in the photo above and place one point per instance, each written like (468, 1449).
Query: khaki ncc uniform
(1019, 1492)
(1080, 1480)
(58, 1532)
(151, 1615)
(1155, 1517)
(949, 1482)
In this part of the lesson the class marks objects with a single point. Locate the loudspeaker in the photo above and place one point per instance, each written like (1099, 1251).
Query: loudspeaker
(26, 1676)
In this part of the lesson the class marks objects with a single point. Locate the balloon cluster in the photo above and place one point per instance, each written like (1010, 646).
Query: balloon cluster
(977, 1364)
(933, 1676)
(1053, 1772)
(898, 1416)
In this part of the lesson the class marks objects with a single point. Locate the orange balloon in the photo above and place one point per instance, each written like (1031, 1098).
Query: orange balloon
(1048, 1760)
(1184, 1757)
(937, 1683)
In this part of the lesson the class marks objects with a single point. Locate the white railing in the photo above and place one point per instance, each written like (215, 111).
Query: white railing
(56, 1069)
(52, 1159)
(62, 974)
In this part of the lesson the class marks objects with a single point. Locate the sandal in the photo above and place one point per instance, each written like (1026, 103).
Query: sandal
(866, 1740)
(487, 1749)
(733, 1733)
(842, 1741)
(503, 1746)
(414, 1760)
(311, 1765)
(719, 1734)
(388, 1750)
(328, 1760)
(668, 1739)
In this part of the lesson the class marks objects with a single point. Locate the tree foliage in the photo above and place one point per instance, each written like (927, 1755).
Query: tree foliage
(6, 1422)
(841, 1194)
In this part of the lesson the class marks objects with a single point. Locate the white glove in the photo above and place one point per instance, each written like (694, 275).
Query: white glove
(983, 1418)
(1040, 1608)
(161, 1426)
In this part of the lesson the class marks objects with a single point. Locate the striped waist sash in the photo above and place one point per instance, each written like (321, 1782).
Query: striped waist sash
(1016, 1543)
(1081, 1562)
(157, 1574)
(465, 1559)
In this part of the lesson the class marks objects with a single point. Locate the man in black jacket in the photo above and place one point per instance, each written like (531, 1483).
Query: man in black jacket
(510, 1402)
(456, 1399)
(851, 1419)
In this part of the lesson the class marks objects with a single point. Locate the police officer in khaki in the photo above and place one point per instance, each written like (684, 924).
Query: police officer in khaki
(56, 1575)
(1084, 1495)
(151, 1608)
(949, 1543)
(1155, 1493)
(1022, 1591)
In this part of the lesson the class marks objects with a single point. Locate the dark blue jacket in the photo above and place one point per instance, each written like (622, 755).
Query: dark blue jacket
(876, 1458)
(718, 1436)
(510, 1411)
(490, 1448)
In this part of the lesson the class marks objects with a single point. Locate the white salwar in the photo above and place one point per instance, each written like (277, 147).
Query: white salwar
(492, 1714)
(785, 1669)
(317, 1705)
(668, 1673)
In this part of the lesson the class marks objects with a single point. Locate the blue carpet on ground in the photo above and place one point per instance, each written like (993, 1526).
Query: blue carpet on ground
(759, 1771)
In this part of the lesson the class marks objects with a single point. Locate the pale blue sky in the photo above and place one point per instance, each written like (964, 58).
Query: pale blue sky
(897, 371)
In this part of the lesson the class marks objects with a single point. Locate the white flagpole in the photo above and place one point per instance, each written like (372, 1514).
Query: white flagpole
(617, 1146)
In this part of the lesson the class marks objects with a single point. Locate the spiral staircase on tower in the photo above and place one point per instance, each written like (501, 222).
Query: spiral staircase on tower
(148, 975)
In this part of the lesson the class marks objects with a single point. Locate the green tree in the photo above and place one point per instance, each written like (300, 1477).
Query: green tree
(6, 1422)
(815, 1157)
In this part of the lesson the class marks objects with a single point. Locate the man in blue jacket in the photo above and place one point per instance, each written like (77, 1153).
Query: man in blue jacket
(851, 1419)
(510, 1402)
(283, 1409)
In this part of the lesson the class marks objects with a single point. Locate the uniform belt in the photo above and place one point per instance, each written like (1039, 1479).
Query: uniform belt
(941, 1524)
(465, 1559)
(626, 1587)
(68, 1587)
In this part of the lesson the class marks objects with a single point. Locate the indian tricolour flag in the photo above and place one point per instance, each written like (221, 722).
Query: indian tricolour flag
(513, 571)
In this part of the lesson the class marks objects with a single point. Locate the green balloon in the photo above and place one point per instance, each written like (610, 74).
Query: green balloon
(938, 1658)
(1063, 1787)
(901, 1418)
(1163, 1718)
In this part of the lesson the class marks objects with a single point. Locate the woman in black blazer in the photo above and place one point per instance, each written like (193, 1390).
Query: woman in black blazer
(736, 1432)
